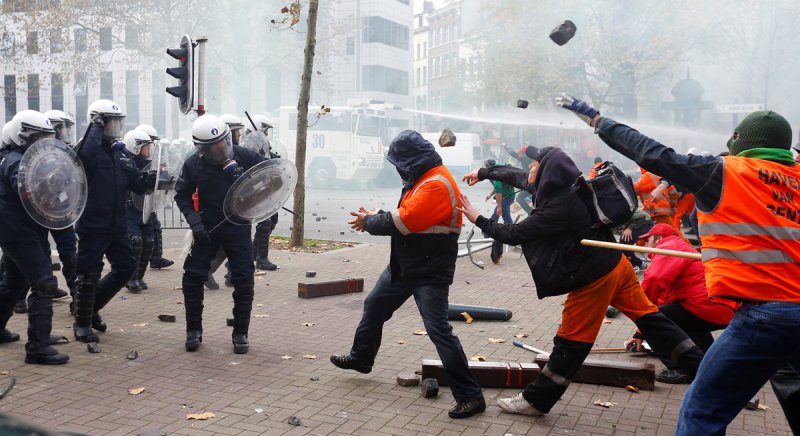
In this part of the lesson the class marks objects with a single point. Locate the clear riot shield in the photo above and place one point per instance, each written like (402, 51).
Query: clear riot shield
(52, 184)
(279, 147)
(258, 142)
(167, 162)
(260, 192)
(148, 203)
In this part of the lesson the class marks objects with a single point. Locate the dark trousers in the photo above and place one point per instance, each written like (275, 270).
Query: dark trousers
(380, 305)
(67, 246)
(698, 330)
(786, 385)
(117, 249)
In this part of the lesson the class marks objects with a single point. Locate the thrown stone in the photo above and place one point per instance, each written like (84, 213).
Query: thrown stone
(311, 273)
(166, 318)
(430, 388)
(133, 355)
(93, 347)
(295, 421)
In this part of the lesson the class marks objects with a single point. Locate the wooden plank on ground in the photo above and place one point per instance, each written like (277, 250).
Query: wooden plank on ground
(335, 287)
(612, 373)
(489, 374)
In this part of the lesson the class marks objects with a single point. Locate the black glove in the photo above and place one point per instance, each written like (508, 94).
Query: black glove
(149, 178)
(200, 234)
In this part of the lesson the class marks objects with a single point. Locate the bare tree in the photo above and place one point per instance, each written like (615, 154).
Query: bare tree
(298, 222)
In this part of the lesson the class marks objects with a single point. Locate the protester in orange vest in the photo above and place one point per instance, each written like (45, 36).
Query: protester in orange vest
(677, 285)
(598, 162)
(749, 217)
(424, 230)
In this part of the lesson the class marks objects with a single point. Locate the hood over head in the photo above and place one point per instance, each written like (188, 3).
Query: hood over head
(412, 155)
(556, 173)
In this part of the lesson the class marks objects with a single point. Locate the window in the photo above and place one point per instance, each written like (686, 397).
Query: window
(10, 95)
(159, 111)
(418, 82)
(384, 79)
(435, 67)
(56, 42)
(350, 48)
(418, 52)
(81, 100)
(424, 49)
(435, 38)
(7, 47)
(446, 35)
(32, 43)
(131, 99)
(455, 31)
(441, 35)
(381, 30)
(405, 2)
(57, 91)
(105, 38)
(425, 75)
(107, 85)
(33, 92)
(446, 65)
(131, 37)
(80, 40)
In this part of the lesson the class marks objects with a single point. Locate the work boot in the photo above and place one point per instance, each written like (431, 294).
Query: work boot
(465, 409)
(133, 286)
(7, 336)
(193, 339)
(43, 355)
(84, 308)
(59, 293)
(21, 306)
(211, 283)
(347, 361)
(673, 377)
(143, 285)
(240, 345)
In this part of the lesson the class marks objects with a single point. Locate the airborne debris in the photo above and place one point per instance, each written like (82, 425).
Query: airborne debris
(563, 32)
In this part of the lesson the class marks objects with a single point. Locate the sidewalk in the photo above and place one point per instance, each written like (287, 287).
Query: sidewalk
(256, 393)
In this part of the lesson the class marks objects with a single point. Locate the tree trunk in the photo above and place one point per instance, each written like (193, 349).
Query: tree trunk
(298, 221)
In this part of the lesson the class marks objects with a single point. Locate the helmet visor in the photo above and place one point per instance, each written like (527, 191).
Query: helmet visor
(113, 127)
(217, 153)
(33, 136)
(66, 133)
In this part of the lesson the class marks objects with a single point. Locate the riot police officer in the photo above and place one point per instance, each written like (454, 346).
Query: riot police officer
(157, 259)
(210, 172)
(103, 226)
(138, 144)
(25, 249)
(264, 228)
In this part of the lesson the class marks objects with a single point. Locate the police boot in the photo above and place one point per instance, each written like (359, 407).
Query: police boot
(156, 260)
(40, 324)
(20, 306)
(242, 307)
(69, 268)
(147, 252)
(106, 290)
(84, 307)
(261, 246)
(7, 302)
(136, 250)
(193, 304)
(211, 283)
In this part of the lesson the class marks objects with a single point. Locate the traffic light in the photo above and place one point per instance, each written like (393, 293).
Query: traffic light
(184, 72)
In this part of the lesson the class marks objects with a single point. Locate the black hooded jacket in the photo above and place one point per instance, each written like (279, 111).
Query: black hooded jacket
(550, 236)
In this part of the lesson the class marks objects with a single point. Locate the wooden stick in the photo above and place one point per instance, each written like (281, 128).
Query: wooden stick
(636, 248)
(608, 350)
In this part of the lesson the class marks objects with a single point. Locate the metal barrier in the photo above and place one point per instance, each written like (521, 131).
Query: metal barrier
(171, 217)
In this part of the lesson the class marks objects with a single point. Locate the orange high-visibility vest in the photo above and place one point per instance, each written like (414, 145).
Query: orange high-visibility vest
(430, 206)
(750, 240)
(654, 207)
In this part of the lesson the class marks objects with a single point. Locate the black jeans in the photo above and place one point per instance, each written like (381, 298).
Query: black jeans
(432, 302)
(697, 329)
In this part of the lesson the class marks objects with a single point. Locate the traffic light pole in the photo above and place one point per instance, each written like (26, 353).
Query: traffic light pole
(201, 74)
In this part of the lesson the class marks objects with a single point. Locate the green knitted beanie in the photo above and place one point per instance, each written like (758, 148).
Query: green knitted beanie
(761, 129)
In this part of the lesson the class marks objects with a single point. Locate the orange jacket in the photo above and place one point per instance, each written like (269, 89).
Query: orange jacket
(430, 205)
(750, 240)
(663, 206)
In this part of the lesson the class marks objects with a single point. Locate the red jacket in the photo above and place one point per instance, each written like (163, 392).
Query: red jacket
(677, 280)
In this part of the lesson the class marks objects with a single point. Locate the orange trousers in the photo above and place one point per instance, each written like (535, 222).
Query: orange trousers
(585, 308)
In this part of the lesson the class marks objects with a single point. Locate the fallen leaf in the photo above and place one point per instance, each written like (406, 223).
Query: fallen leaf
(261, 315)
(260, 273)
(520, 335)
(632, 388)
(401, 342)
(309, 356)
(309, 324)
(177, 288)
(201, 416)
(420, 332)
(4, 373)
(478, 358)
(259, 305)
(135, 391)
(467, 318)
(496, 340)
(259, 410)
(605, 404)
(606, 321)
(763, 407)
(286, 357)
(141, 324)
